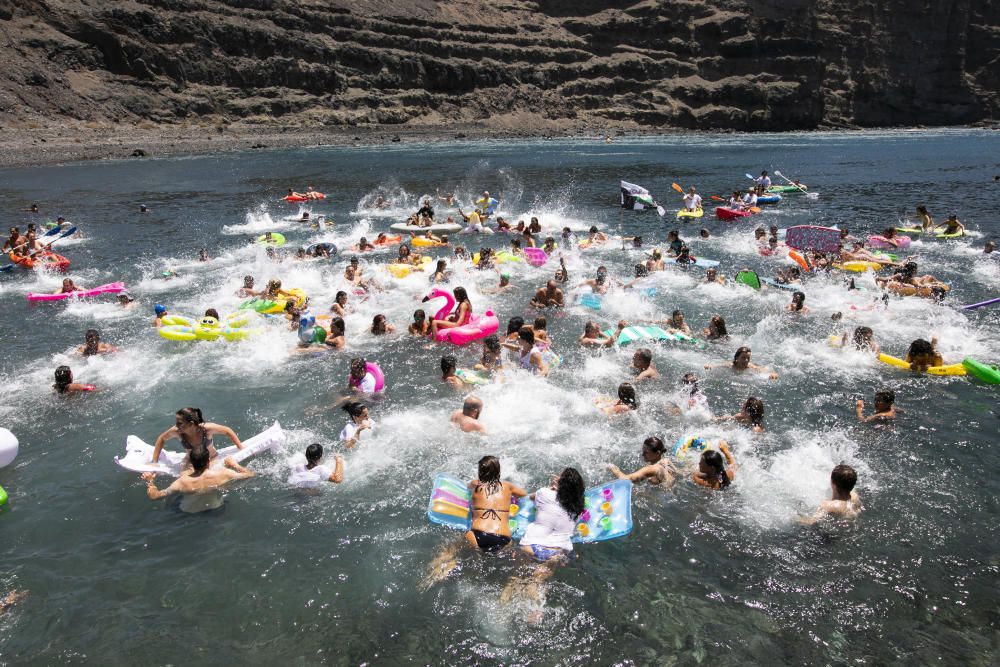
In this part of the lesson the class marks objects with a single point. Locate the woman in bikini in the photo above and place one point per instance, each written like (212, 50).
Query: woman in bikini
(193, 431)
(491, 500)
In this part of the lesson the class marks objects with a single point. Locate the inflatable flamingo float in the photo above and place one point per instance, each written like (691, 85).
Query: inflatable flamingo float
(476, 328)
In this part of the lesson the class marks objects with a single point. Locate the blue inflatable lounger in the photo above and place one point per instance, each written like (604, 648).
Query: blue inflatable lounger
(608, 512)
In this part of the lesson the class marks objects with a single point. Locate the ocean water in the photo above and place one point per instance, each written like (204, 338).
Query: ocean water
(279, 575)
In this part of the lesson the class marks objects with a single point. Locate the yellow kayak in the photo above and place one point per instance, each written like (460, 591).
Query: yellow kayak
(684, 213)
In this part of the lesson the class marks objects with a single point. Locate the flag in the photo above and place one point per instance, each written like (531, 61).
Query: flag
(636, 197)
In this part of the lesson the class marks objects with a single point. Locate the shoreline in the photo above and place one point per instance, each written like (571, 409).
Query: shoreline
(61, 144)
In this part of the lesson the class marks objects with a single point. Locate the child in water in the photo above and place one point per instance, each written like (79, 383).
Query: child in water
(712, 472)
(312, 474)
(885, 408)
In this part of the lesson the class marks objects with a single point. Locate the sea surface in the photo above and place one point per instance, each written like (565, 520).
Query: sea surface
(279, 575)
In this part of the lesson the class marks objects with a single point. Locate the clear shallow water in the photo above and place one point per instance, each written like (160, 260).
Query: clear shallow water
(279, 575)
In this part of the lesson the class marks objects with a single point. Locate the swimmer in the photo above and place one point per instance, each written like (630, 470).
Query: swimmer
(674, 239)
(143, 208)
(599, 284)
(358, 424)
(363, 245)
(159, 312)
(305, 216)
(420, 326)
(199, 478)
(844, 502)
(340, 304)
(562, 273)
(203, 255)
(361, 379)
(643, 366)
(750, 416)
(885, 408)
(93, 345)
(530, 353)
(593, 236)
(690, 397)
(549, 246)
(741, 363)
(449, 199)
(335, 336)
(704, 233)
(527, 240)
(247, 290)
(193, 431)
(989, 247)
(716, 329)
(923, 354)
(952, 225)
(467, 419)
(798, 304)
(657, 470)
(448, 367)
(712, 472)
(557, 509)
(64, 382)
(626, 402)
(549, 296)
(712, 276)
(460, 316)
(68, 287)
(312, 473)
(594, 337)
(125, 300)
(540, 327)
(491, 498)
(502, 287)
(514, 325)
(656, 263)
(863, 339)
(379, 326)
(675, 323)
(491, 360)
(441, 273)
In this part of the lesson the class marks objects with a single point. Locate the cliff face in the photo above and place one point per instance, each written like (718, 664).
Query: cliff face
(586, 64)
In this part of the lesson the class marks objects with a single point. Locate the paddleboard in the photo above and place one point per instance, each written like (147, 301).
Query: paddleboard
(139, 454)
(813, 237)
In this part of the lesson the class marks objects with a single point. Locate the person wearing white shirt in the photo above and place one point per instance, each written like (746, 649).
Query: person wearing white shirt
(692, 200)
(763, 182)
(557, 509)
(749, 199)
(359, 423)
(312, 473)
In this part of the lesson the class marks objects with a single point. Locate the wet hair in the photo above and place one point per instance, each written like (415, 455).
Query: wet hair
(626, 394)
(492, 343)
(191, 415)
(641, 271)
(921, 209)
(354, 408)
(885, 396)
(442, 265)
(337, 323)
(93, 342)
(64, 377)
(314, 453)
(378, 324)
(341, 293)
(569, 492)
(720, 326)
(844, 477)
(199, 457)
(654, 444)
(460, 294)
(489, 474)
(358, 366)
(419, 315)
(713, 461)
(514, 324)
(677, 313)
(448, 365)
(862, 337)
(541, 323)
(753, 408)
(593, 229)
(740, 351)
(645, 354)
(691, 379)
(527, 335)
(920, 347)
(212, 312)
(798, 300)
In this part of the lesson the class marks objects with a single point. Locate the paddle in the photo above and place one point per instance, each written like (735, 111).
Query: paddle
(972, 306)
(51, 232)
(811, 195)
(752, 209)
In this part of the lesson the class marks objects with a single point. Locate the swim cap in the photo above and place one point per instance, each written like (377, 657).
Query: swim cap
(505, 275)
(159, 309)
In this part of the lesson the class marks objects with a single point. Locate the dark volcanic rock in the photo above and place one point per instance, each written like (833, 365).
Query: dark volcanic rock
(554, 64)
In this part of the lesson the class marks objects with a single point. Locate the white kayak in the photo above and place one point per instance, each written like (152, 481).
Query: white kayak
(139, 455)
(443, 227)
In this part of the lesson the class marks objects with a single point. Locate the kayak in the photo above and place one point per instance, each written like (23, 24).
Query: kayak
(46, 260)
(445, 227)
(788, 189)
(684, 213)
(110, 288)
(768, 199)
(724, 213)
(312, 197)
(988, 374)
(139, 455)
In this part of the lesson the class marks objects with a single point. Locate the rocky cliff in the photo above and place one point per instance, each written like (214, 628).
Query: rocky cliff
(582, 64)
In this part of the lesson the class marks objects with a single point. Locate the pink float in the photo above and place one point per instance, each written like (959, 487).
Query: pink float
(110, 288)
(889, 244)
(376, 372)
(535, 256)
(476, 328)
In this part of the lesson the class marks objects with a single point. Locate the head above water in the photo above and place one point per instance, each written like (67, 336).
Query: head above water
(653, 449)
(314, 453)
(448, 365)
(472, 407)
(843, 478)
(200, 458)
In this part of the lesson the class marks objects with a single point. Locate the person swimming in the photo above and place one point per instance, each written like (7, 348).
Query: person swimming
(643, 366)
(713, 471)
(923, 354)
(844, 502)
(358, 424)
(885, 408)
(93, 345)
(741, 363)
(64, 382)
(312, 473)
(750, 416)
(419, 326)
(199, 479)
(658, 469)
(448, 367)
(626, 402)
(467, 419)
(530, 354)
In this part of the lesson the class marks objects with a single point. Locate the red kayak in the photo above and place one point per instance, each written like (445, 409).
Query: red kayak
(724, 213)
(309, 197)
(43, 260)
